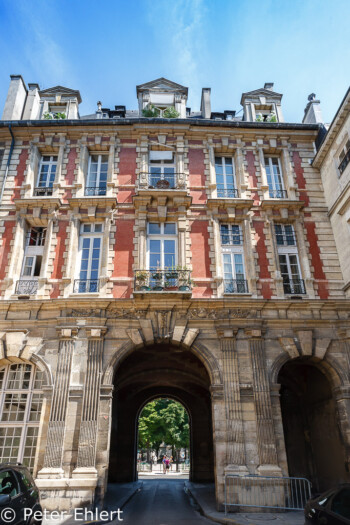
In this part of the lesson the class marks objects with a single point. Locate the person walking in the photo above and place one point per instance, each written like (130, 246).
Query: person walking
(171, 461)
(167, 464)
(164, 464)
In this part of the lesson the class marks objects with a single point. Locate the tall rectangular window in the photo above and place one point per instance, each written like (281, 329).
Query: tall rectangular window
(233, 259)
(32, 261)
(289, 259)
(90, 245)
(274, 178)
(96, 183)
(162, 245)
(225, 177)
(46, 176)
(162, 171)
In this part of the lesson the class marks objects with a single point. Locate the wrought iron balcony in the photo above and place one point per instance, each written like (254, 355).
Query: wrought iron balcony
(86, 285)
(43, 191)
(27, 287)
(95, 191)
(344, 162)
(235, 286)
(227, 194)
(294, 286)
(278, 194)
(171, 280)
(166, 181)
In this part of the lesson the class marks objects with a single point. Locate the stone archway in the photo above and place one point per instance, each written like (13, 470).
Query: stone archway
(313, 440)
(157, 371)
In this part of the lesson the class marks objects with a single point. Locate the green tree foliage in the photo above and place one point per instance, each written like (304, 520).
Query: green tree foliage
(163, 421)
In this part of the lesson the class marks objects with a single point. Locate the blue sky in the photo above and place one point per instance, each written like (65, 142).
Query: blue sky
(105, 48)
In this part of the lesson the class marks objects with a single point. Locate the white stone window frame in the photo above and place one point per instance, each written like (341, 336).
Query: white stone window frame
(26, 423)
(83, 234)
(285, 235)
(161, 237)
(50, 163)
(162, 163)
(270, 163)
(223, 157)
(343, 149)
(232, 250)
(288, 250)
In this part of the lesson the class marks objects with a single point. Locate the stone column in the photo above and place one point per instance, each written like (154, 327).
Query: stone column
(110, 175)
(304, 258)
(241, 180)
(212, 174)
(264, 184)
(89, 418)
(265, 425)
(33, 167)
(235, 452)
(181, 181)
(219, 441)
(143, 176)
(182, 241)
(57, 423)
(287, 168)
(83, 167)
(249, 256)
(59, 179)
(342, 399)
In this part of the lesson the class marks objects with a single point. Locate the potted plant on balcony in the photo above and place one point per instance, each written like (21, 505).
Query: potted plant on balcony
(170, 112)
(142, 280)
(171, 273)
(150, 111)
(185, 281)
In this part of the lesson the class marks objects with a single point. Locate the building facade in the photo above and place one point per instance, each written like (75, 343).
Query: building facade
(165, 252)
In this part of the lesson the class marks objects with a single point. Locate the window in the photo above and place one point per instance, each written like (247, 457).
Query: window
(274, 178)
(32, 261)
(162, 170)
(285, 235)
(341, 503)
(90, 244)
(20, 411)
(344, 157)
(46, 177)
(162, 245)
(233, 258)
(97, 175)
(225, 177)
(288, 259)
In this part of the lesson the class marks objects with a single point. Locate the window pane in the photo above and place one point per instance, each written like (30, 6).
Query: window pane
(18, 377)
(14, 407)
(35, 408)
(153, 228)
(170, 228)
(225, 234)
(30, 447)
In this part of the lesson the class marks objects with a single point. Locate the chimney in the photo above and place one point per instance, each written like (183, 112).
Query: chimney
(32, 107)
(16, 98)
(268, 85)
(205, 103)
(312, 112)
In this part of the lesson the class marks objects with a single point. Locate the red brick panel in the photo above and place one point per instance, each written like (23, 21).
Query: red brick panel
(123, 260)
(316, 260)
(253, 180)
(59, 260)
(127, 173)
(19, 179)
(5, 247)
(301, 182)
(196, 175)
(262, 258)
(200, 258)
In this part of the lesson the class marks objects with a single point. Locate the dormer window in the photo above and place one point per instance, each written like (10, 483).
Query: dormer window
(56, 112)
(160, 111)
(265, 115)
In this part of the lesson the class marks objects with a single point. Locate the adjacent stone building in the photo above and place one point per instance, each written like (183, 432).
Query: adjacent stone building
(166, 252)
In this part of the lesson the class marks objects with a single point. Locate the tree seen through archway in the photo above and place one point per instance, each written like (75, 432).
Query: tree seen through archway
(163, 427)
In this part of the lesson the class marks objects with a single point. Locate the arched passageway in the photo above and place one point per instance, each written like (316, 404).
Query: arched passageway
(160, 370)
(312, 436)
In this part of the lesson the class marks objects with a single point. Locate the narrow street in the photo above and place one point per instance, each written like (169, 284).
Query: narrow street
(161, 502)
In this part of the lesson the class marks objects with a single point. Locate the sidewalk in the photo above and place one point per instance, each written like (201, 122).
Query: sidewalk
(117, 496)
(204, 496)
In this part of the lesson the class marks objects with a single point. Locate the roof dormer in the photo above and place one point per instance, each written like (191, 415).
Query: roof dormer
(162, 95)
(262, 105)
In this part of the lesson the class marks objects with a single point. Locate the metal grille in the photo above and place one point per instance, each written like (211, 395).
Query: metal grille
(86, 285)
(27, 287)
(227, 194)
(92, 191)
(235, 286)
(266, 492)
(163, 280)
(278, 194)
(43, 192)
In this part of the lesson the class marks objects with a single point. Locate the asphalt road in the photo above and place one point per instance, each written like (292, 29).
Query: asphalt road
(161, 502)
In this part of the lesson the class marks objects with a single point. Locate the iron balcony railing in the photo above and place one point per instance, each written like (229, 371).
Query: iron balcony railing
(27, 287)
(266, 492)
(95, 191)
(278, 194)
(294, 286)
(162, 181)
(163, 280)
(286, 239)
(227, 194)
(43, 192)
(344, 162)
(86, 285)
(235, 286)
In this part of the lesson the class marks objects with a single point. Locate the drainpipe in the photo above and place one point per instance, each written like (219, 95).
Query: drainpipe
(8, 163)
